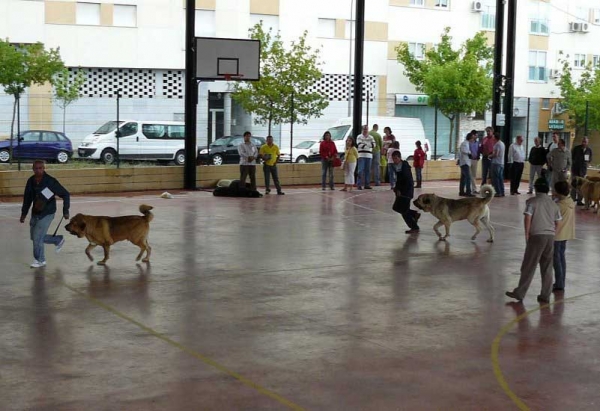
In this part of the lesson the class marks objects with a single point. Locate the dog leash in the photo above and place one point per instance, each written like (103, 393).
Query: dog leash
(55, 231)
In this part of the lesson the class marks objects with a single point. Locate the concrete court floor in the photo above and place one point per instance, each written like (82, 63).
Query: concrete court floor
(313, 300)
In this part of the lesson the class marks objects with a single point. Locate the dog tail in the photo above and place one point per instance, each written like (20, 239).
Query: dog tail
(145, 209)
(488, 192)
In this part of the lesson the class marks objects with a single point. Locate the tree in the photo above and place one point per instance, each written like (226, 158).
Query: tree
(67, 91)
(577, 94)
(24, 65)
(286, 76)
(456, 81)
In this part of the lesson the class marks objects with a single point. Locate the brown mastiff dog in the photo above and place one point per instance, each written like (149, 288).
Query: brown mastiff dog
(447, 210)
(105, 231)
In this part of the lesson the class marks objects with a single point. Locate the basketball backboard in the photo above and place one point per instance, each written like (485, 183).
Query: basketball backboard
(227, 59)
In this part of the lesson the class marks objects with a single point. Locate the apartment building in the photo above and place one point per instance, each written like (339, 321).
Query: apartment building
(137, 46)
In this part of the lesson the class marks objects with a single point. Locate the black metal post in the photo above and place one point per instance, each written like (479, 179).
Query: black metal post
(510, 72)
(435, 128)
(19, 130)
(527, 129)
(118, 130)
(498, 46)
(358, 66)
(191, 97)
(368, 105)
(587, 115)
(291, 126)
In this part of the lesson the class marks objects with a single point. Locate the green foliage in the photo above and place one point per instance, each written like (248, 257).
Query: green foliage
(285, 75)
(575, 95)
(65, 91)
(457, 81)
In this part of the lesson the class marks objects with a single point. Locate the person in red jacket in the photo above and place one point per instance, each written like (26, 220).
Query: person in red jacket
(418, 163)
(327, 151)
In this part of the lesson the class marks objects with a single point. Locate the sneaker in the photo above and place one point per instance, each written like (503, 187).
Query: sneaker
(530, 192)
(359, 188)
(513, 295)
(412, 231)
(37, 264)
(580, 203)
(331, 188)
(542, 300)
(323, 189)
(267, 191)
(280, 193)
(59, 246)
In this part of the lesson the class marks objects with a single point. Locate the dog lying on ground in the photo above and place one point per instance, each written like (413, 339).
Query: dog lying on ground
(105, 231)
(447, 210)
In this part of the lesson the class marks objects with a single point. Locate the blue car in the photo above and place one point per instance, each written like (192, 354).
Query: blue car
(38, 144)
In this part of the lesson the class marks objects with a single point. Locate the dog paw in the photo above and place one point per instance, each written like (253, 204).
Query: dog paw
(490, 240)
(146, 260)
(101, 263)
(474, 238)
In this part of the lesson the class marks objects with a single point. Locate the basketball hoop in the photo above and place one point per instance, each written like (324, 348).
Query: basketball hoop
(235, 77)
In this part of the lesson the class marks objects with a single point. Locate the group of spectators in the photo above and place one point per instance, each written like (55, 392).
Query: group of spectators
(552, 162)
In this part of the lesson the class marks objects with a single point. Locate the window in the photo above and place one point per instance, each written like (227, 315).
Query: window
(442, 3)
(205, 23)
(545, 104)
(88, 14)
(326, 28)
(537, 66)
(596, 61)
(488, 18)
(124, 16)
(417, 50)
(268, 21)
(154, 130)
(538, 18)
(417, 3)
(128, 129)
(48, 136)
(579, 60)
(177, 132)
(596, 16)
(538, 26)
(33, 136)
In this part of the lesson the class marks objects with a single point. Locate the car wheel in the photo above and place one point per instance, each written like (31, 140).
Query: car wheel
(302, 160)
(62, 157)
(4, 156)
(108, 156)
(217, 159)
(179, 158)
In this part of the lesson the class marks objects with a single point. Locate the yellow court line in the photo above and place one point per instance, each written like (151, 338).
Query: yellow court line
(187, 350)
(496, 349)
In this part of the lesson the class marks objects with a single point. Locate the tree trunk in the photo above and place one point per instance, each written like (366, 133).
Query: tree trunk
(451, 118)
(12, 130)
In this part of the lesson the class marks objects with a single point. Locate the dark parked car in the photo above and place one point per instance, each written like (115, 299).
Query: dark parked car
(225, 150)
(38, 144)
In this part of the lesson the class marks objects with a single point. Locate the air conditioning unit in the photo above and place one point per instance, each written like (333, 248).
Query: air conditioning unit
(574, 26)
(477, 6)
(585, 27)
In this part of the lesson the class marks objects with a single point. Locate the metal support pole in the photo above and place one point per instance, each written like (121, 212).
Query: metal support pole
(368, 105)
(18, 131)
(358, 66)
(118, 131)
(527, 130)
(510, 72)
(291, 126)
(498, 46)
(435, 128)
(191, 97)
(350, 62)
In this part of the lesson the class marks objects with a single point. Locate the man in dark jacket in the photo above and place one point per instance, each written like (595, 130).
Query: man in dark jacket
(404, 193)
(537, 159)
(41, 191)
(581, 157)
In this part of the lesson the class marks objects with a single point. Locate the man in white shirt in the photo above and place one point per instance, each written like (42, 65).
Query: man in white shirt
(516, 161)
(497, 158)
(464, 161)
(248, 153)
(366, 144)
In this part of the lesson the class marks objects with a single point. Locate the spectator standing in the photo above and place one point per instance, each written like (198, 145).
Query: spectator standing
(559, 161)
(388, 139)
(404, 193)
(376, 163)
(270, 154)
(248, 154)
(350, 159)
(497, 158)
(487, 148)
(41, 190)
(475, 147)
(418, 163)
(327, 151)
(516, 161)
(537, 159)
(391, 167)
(553, 144)
(464, 161)
(564, 233)
(365, 144)
(582, 156)
(541, 219)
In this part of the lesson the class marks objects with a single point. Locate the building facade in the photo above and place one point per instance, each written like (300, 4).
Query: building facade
(137, 47)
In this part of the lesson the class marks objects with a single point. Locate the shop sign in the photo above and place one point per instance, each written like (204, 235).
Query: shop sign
(412, 99)
(556, 124)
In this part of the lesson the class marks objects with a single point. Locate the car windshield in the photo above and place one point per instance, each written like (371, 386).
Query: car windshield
(108, 127)
(339, 132)
(220, 141)
(304, 144)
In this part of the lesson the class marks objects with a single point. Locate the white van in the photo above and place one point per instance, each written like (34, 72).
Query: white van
(138, 140)
(406, 130)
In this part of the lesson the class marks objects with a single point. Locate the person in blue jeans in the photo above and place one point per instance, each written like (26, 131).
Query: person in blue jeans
(497, 158)
(40, 195)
